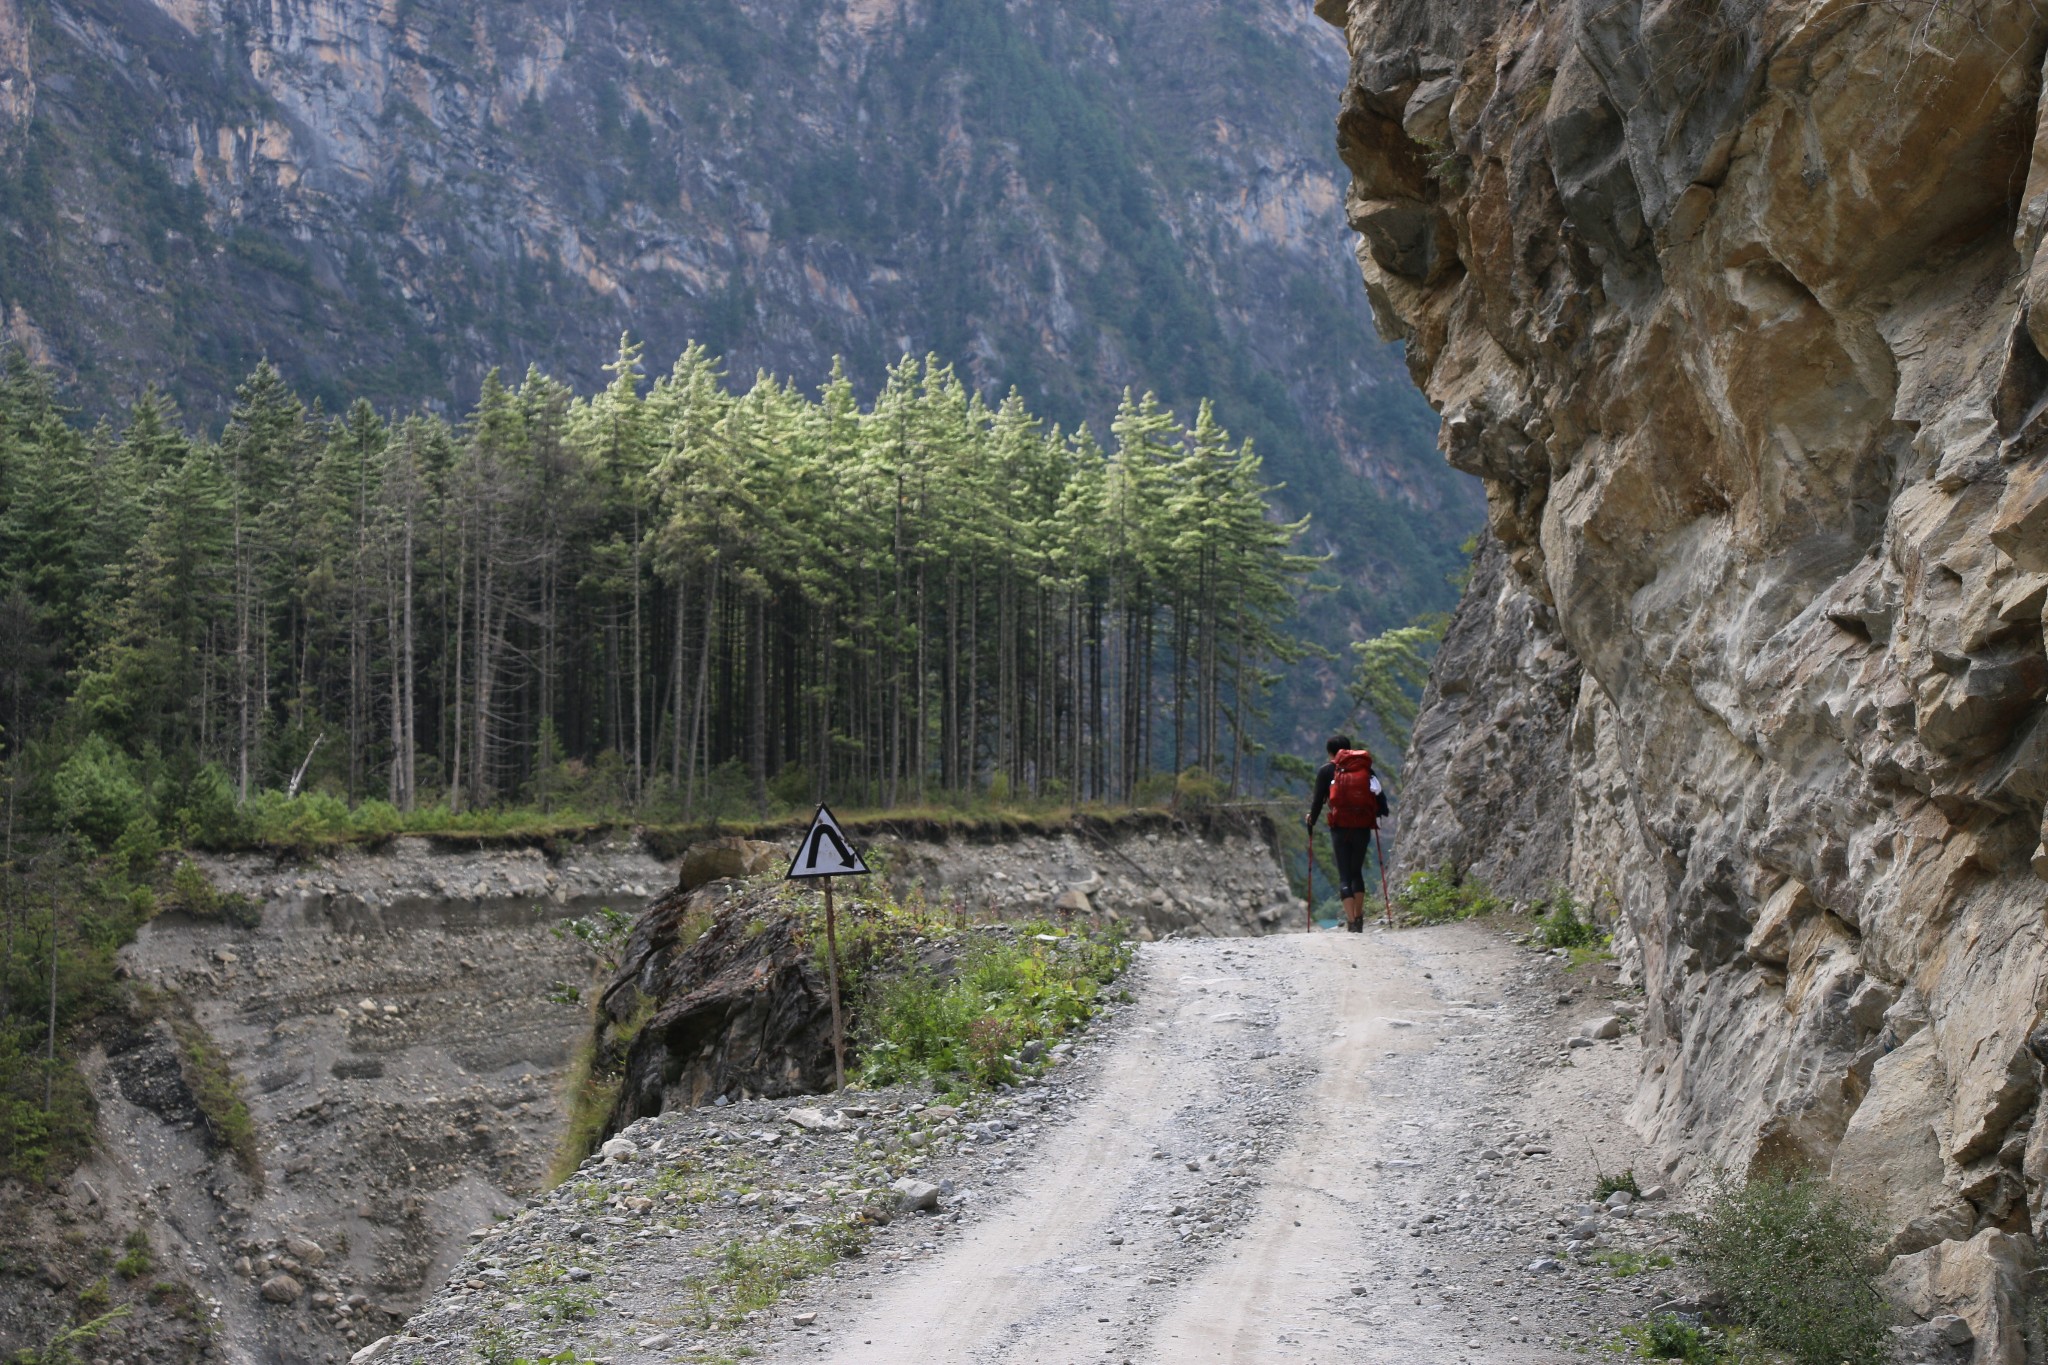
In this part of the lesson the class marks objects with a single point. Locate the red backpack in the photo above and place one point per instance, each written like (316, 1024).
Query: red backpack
(1354, 804)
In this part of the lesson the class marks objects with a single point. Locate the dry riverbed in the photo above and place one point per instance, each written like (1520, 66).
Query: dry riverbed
(1299, 1148)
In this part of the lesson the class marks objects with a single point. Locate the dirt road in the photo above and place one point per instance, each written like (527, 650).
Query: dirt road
(1305, 1148)
(1373, 1148)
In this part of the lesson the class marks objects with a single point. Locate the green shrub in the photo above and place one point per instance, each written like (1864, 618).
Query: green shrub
(206, 812)
(1565, 923)
(193, 893)
(1442, 896)
(135, 1260)
(1798, 1265)
(376, 820)
(97, 793)
(63, 1348)
(1195, 790)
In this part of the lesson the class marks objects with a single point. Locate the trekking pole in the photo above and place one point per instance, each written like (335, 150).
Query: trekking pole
(1311, 879)
(1380, 845)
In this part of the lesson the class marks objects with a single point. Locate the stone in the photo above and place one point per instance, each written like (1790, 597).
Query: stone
(619, 1149)
(1031, 1051)
(1770, 938)
(656, 1342)
(1951, 1329)
(725, 858)
(306, 1250)
(1548, 1265)
(818, 1121)
(1980, 1282)
(1074, 903)
(915, 1194)
(1602, 1029)
(1890, 1157)
(805, 1319)
(281, 1289)
(380, 1349)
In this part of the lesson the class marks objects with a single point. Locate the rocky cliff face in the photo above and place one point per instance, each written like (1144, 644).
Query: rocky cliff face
(1739, 311)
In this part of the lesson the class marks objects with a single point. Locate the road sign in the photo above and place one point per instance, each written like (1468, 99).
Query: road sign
(826, 852)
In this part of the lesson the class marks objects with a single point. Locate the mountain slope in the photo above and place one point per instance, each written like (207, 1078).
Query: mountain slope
(390, 196)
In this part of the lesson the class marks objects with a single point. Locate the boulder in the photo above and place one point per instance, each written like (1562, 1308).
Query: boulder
(1979, 1281)
(1889, 1159)
(281, 1289)
(915, 1194)
(306, 1250)
(713, 860)
(818, 1121)
(619, 1149)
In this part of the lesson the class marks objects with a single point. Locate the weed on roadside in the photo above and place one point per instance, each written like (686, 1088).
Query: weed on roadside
(1667, 1337)
(969, 1031)
(498, 1346)
(751, 1275)
(1625, 1265)
(1443, 896)
(1798, 1264)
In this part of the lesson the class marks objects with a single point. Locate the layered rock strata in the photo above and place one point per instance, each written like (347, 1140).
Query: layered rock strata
(1738, 309)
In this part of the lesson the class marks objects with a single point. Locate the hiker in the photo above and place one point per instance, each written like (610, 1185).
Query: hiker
(1356, 801)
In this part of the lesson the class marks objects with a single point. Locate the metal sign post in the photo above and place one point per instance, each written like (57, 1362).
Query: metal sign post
(824, 854)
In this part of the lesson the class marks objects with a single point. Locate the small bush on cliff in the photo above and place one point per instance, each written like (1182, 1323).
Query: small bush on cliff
(1442, 896)
(1798, 1265)
(1565, 922)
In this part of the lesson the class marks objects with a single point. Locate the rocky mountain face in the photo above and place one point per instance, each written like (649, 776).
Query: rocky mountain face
(1740, 312)
(388, 197)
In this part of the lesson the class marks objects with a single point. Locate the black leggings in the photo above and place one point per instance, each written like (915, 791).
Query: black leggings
(1350, 846)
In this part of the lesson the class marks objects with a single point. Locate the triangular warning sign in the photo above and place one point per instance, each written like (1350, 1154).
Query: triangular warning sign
(826, 851)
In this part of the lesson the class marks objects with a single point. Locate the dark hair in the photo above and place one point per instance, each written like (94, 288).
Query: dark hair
(1337, 742)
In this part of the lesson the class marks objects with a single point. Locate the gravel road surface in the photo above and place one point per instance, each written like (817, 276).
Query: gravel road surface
(1315, 1148)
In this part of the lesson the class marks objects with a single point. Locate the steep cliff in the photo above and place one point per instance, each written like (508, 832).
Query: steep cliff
(1739, 311)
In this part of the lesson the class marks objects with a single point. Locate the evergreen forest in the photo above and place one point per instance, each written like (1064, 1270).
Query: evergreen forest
(677, 599)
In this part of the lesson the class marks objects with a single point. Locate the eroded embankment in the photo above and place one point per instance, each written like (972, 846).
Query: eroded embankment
(393, 1022)
(392, 1026)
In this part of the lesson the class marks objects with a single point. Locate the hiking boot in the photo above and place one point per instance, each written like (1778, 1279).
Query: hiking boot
(1355, 924)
